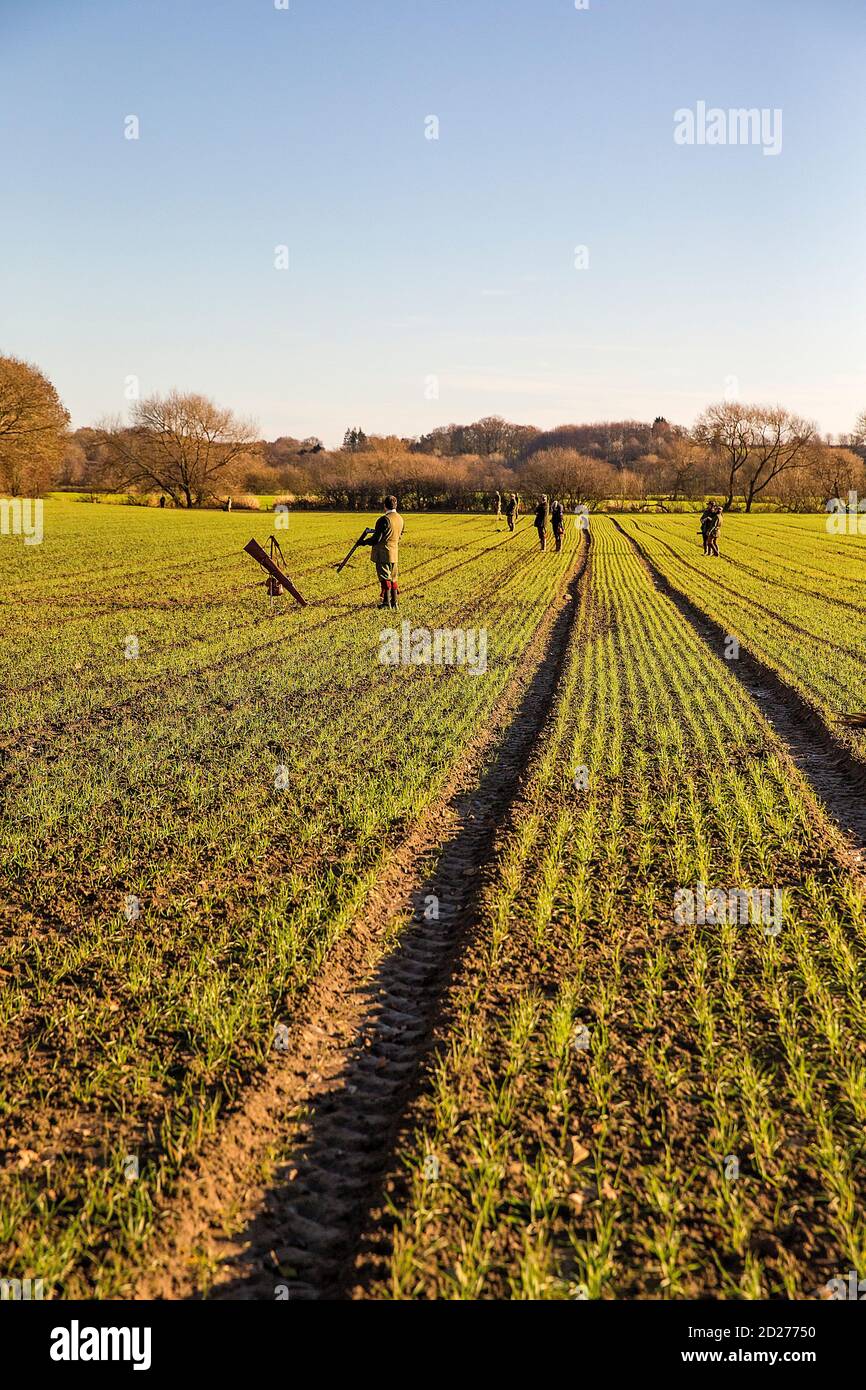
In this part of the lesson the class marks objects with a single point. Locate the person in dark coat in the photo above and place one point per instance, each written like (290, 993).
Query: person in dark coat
(540, 522)
(714, 537)
(557, 523)
(511, 511)
(711, 521)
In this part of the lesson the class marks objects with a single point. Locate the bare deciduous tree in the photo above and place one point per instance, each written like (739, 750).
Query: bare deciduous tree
(680, 468)
(857, 438)
(823, 473)
(569, 476)
(183, 444)
(756, 443)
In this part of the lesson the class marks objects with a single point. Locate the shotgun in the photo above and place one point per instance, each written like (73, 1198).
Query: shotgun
(367, 531)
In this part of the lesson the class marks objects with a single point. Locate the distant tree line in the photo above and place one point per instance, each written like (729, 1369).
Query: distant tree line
(187, 448)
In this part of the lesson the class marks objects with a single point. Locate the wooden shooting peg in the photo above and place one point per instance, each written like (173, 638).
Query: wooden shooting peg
(276, 581)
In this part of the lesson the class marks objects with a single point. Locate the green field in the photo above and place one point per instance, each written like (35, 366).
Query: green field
(790, 591)
(608, 1063)
(153, 779)
(199, 797)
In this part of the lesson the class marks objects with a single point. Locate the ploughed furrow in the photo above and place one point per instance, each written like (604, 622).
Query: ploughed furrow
(834, 774)
(649, 1077)
(814, 644)
(295, 1171)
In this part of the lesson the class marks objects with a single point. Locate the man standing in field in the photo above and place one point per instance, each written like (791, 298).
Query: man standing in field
(557, 523)
(714, 537)
(540, 522)
(511, 511)
(385, 542)
(711, 521)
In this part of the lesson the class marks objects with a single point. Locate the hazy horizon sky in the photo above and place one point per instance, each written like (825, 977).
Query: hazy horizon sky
(421, 266)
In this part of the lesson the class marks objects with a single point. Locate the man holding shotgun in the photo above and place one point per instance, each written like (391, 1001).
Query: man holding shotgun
(385, 541)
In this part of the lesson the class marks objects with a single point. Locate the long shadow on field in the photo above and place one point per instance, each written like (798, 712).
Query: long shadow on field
(302, 1242)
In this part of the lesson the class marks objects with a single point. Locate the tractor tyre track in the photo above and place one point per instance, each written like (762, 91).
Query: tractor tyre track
(332, 1104)
(835, 775)
(745, 601)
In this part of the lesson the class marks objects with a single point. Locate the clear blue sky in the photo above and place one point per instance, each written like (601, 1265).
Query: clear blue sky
(412, 258)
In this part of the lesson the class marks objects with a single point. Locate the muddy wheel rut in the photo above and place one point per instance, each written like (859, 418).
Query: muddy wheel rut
(277, 1203)
(833, 773)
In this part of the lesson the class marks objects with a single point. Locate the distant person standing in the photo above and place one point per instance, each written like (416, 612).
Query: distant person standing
(557, 523)
(711, 521)
(511, 511)
(162, 501)
(385, 542)
(714, 537)
(540, 522)
(498, 505)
